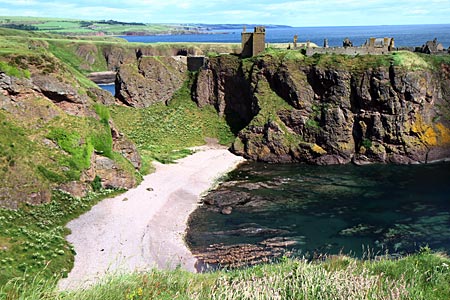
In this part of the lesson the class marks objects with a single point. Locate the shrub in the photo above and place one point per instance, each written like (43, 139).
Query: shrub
(96, 184)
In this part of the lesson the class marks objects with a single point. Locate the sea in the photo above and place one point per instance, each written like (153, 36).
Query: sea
(404, 35)
(355, 210)
(325, 210)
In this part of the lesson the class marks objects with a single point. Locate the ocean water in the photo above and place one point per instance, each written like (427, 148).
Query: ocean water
(404, 35)
(393, 209)
(108, 87)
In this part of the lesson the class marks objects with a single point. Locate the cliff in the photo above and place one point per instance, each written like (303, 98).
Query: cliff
(152, 79)
(332, 109)
(55, 133)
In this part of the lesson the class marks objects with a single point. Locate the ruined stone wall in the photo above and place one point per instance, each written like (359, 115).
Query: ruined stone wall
(347, 51)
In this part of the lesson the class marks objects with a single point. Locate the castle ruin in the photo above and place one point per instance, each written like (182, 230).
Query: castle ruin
(371, 46)
(254, 42)
(432, 47)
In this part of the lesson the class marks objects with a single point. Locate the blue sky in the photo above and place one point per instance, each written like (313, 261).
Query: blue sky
(294, 13)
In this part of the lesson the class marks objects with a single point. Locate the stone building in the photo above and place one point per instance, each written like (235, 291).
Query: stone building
(431, 47)
(254, 42)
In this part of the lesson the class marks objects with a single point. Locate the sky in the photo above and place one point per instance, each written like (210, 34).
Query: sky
(282, 12)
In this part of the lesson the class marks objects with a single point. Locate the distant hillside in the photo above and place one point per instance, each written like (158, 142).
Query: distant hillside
(91, 27)
(112, 27)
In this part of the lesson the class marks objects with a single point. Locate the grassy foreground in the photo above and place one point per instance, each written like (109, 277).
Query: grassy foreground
(424, 275)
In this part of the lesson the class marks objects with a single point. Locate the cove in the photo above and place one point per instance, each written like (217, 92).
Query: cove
(388, 209)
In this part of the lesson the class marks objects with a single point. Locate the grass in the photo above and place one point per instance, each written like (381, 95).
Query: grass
(84, 27)
(32, 238)
(13, 71)
(424, 275)
(54, 28)
(358, 63)
(163, 132)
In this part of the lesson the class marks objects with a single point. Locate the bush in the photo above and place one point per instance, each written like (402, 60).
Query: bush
(366, 143)
(96, 184)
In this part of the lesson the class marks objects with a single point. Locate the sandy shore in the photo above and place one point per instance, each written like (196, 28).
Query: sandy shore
(144, 227)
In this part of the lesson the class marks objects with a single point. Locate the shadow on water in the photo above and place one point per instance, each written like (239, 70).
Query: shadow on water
(393, 209)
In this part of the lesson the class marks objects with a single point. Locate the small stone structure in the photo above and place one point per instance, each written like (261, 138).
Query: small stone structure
(195, 63)
(347, 43)
(254, 42)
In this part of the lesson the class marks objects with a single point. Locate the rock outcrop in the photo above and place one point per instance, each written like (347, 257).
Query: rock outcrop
(223, 84)
(296, 111)
(33, 162)
(154, 79)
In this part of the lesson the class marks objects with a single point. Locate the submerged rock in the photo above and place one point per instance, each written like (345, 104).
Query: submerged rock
(227, 210)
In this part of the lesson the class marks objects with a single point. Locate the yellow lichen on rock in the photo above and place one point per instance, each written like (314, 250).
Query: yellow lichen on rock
(424, 132)
(317, 149)
(444, 134)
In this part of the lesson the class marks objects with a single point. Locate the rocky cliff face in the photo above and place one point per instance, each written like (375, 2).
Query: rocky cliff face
(153, 79)
(53, 137)
(295, 110)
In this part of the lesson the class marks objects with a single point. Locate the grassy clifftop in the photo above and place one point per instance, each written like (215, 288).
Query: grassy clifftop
(403, 59)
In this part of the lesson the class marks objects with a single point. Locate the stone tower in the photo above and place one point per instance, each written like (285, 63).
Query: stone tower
(254, 42)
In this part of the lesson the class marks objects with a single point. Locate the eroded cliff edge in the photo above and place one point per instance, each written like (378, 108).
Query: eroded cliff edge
(332, 109)
(55, 133)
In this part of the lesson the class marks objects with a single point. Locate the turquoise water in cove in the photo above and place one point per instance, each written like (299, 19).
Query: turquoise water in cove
(331, 209)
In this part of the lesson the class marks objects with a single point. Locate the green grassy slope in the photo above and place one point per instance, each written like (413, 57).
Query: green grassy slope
(162, 132)
(42, 146)
(92, 27)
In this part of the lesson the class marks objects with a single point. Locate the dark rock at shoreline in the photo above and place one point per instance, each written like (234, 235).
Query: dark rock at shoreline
(235, 256)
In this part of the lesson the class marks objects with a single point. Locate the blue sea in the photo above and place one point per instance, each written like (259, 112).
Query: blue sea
(404, 35)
